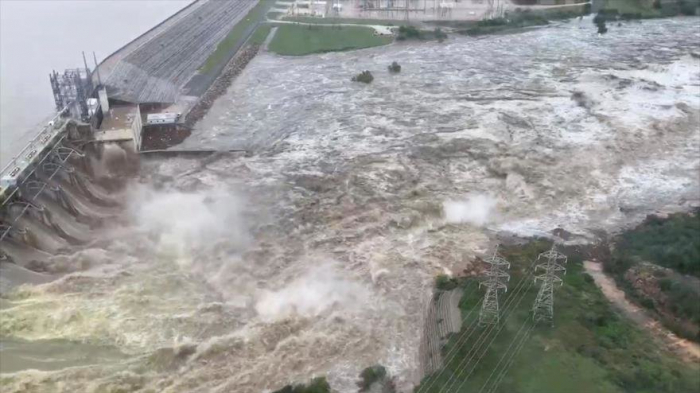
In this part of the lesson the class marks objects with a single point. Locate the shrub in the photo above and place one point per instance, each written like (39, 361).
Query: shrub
(672, 242)
(369, 376)
(599, 21)
(665, 284)
(364, 77)
(394, 68)
(317, 385)
(445, 283)
(686, 8)
(647, 303)
(408, 33)
(492, 22)
(619, 264)
(440, 35)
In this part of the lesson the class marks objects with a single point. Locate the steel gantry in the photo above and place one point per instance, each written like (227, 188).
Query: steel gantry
(496, 280)
(543, 309)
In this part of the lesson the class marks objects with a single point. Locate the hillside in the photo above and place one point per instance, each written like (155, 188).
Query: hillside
(590, 348)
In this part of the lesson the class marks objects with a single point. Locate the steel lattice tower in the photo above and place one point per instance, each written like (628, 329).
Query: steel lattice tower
(543, 309)
(496, 280)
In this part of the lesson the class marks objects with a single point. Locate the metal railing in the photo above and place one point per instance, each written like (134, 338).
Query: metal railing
(30, 202)
(14, 168)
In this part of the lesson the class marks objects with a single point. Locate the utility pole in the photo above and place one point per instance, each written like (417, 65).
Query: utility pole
(97, 68)
(543, 309)
(496, 280)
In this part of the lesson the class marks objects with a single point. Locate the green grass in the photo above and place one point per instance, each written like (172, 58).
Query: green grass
(235, 36)
(590, 349)
(640, 9)
(498, 25)
(274, 15)
(298, 40)
(630, 7)
(261, 33)
(333, 21)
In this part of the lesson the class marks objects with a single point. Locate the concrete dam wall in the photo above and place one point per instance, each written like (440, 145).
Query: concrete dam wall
(158, 66)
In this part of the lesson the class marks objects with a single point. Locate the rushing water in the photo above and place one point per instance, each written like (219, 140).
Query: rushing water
(314, 254)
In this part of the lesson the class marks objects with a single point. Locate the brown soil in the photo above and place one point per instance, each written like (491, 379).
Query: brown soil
(688, 350)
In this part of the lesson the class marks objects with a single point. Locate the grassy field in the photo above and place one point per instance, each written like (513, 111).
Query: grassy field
(590, 349)
(261, 33)
(274, 15)
(223, 50)
(630, 6)
(643, 9)
(334, 21)
(298, 40)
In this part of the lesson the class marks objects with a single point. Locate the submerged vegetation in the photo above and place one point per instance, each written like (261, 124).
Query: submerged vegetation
(317, 385)
(376, 379)
(364, 77)
(517, 20)
(394, 68)
(446, 283)
(599, 21)
(405, 33)
(590, 348)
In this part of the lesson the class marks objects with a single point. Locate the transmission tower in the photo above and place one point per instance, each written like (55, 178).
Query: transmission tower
(496, 280)
(543, 309)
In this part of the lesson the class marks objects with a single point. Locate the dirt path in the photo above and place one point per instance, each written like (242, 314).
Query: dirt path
(688, 350)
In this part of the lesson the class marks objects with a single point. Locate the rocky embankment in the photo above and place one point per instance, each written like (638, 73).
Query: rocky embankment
(221, 84)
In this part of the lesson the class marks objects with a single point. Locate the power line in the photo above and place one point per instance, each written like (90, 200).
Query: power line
(484, 335)
(453, 351)
(487, 345)
(544, 303)
(505, 354)
(496, 280)
(510, 362)
(496, 264)
(543, 309)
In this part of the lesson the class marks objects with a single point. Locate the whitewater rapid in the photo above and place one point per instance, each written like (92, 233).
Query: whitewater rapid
(315, 252)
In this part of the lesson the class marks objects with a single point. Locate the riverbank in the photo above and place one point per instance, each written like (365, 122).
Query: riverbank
(588, 349)
(684, 348)
(657, 264)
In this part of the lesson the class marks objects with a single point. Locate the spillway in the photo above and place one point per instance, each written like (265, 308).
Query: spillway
(315, 252)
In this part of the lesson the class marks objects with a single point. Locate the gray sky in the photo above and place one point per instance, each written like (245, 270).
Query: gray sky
(37, 36)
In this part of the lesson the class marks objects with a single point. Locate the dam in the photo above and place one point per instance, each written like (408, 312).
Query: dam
(135, 99)
(298, 229)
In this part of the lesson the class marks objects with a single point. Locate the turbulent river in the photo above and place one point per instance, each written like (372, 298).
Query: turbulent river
(315, 252)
